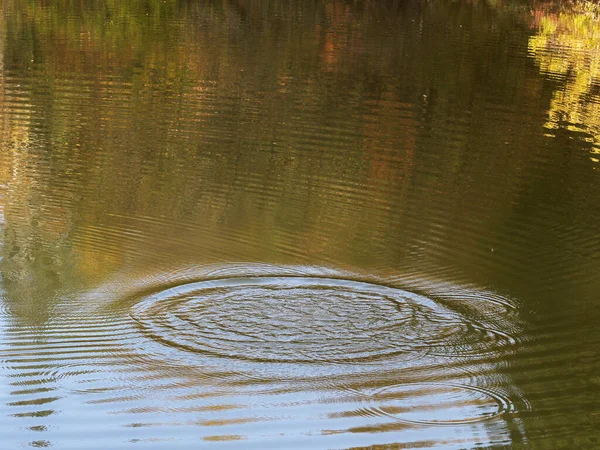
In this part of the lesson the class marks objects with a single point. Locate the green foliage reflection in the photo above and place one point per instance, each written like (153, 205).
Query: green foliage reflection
(567, 48)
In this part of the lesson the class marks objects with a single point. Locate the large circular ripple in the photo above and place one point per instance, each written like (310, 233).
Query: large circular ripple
(307, 319)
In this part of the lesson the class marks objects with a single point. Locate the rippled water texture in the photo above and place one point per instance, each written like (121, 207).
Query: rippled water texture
(299, 224)
(301, 319)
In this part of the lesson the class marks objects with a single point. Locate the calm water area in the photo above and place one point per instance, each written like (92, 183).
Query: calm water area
(312, 224)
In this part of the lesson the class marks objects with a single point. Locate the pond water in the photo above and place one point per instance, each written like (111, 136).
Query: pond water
(299, 224)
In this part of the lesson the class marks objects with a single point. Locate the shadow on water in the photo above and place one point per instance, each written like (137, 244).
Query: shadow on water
(299, 224)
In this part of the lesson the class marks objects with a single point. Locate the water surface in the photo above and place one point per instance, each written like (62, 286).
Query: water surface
(302, 224)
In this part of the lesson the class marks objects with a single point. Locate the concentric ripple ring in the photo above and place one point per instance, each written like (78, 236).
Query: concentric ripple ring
(437, 403)
(300, 319)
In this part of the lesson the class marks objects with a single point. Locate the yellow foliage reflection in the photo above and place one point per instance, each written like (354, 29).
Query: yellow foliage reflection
(567, 48)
